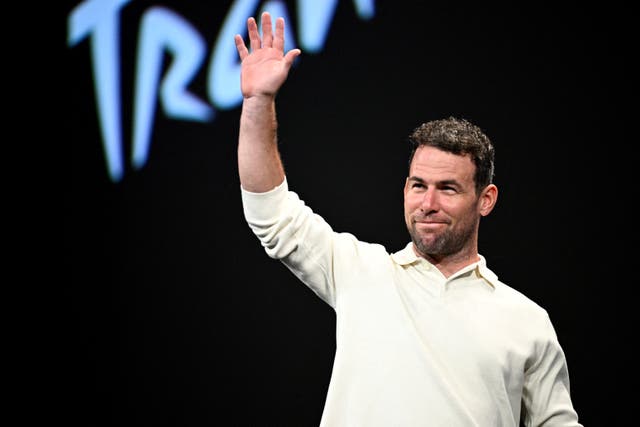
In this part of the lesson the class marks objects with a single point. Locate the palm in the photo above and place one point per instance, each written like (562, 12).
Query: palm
(263, 72)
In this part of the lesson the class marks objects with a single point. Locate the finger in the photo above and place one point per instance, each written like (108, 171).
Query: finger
(267, 30)
(254, 37)
(291, 56)
(240, 46)
(278, 42)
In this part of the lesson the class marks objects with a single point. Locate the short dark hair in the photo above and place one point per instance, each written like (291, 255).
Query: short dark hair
(458, 136)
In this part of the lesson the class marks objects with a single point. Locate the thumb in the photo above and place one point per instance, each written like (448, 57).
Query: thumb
(291, 56)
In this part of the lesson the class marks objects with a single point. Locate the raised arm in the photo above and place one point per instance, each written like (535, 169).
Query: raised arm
(263, 71)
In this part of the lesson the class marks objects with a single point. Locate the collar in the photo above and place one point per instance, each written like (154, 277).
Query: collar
(407, 256)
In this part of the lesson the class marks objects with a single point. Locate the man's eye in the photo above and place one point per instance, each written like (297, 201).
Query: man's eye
(417, 185)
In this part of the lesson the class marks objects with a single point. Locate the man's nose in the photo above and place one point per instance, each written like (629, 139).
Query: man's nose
(429, 200)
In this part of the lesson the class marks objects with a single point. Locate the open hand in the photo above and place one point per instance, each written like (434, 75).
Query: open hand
(265, 68)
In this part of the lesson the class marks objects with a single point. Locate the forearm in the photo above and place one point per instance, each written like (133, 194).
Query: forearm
(259, 164)
(546, 394)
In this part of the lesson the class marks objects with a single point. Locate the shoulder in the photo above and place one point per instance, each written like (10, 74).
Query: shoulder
(521, 305)
(367, 250)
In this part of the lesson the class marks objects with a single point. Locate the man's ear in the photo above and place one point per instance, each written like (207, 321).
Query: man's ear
(488, 199)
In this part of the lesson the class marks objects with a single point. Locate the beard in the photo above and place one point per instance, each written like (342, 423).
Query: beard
(445, 243)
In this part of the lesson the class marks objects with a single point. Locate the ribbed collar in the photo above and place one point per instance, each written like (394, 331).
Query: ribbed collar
(408, 256)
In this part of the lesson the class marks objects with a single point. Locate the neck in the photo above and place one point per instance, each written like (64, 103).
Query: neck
(450, 264)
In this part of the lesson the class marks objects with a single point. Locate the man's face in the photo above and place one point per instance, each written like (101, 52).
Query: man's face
(441, 208)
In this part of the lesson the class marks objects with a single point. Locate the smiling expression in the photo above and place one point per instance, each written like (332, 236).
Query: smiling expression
(441, 208)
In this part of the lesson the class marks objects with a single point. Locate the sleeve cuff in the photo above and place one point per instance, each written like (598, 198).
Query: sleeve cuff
(264, 206)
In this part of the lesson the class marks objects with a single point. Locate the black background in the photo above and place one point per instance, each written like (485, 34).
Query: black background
(170, 312)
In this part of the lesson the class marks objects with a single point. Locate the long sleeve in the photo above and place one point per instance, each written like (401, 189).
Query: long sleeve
(290, 231)
(546, 395)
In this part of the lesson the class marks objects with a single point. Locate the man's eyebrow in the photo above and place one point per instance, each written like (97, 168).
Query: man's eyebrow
(444, 182)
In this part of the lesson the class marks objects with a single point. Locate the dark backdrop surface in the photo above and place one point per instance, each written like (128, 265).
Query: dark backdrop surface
(172, 314)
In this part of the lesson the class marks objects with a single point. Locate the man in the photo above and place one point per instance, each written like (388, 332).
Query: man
(427, 336)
